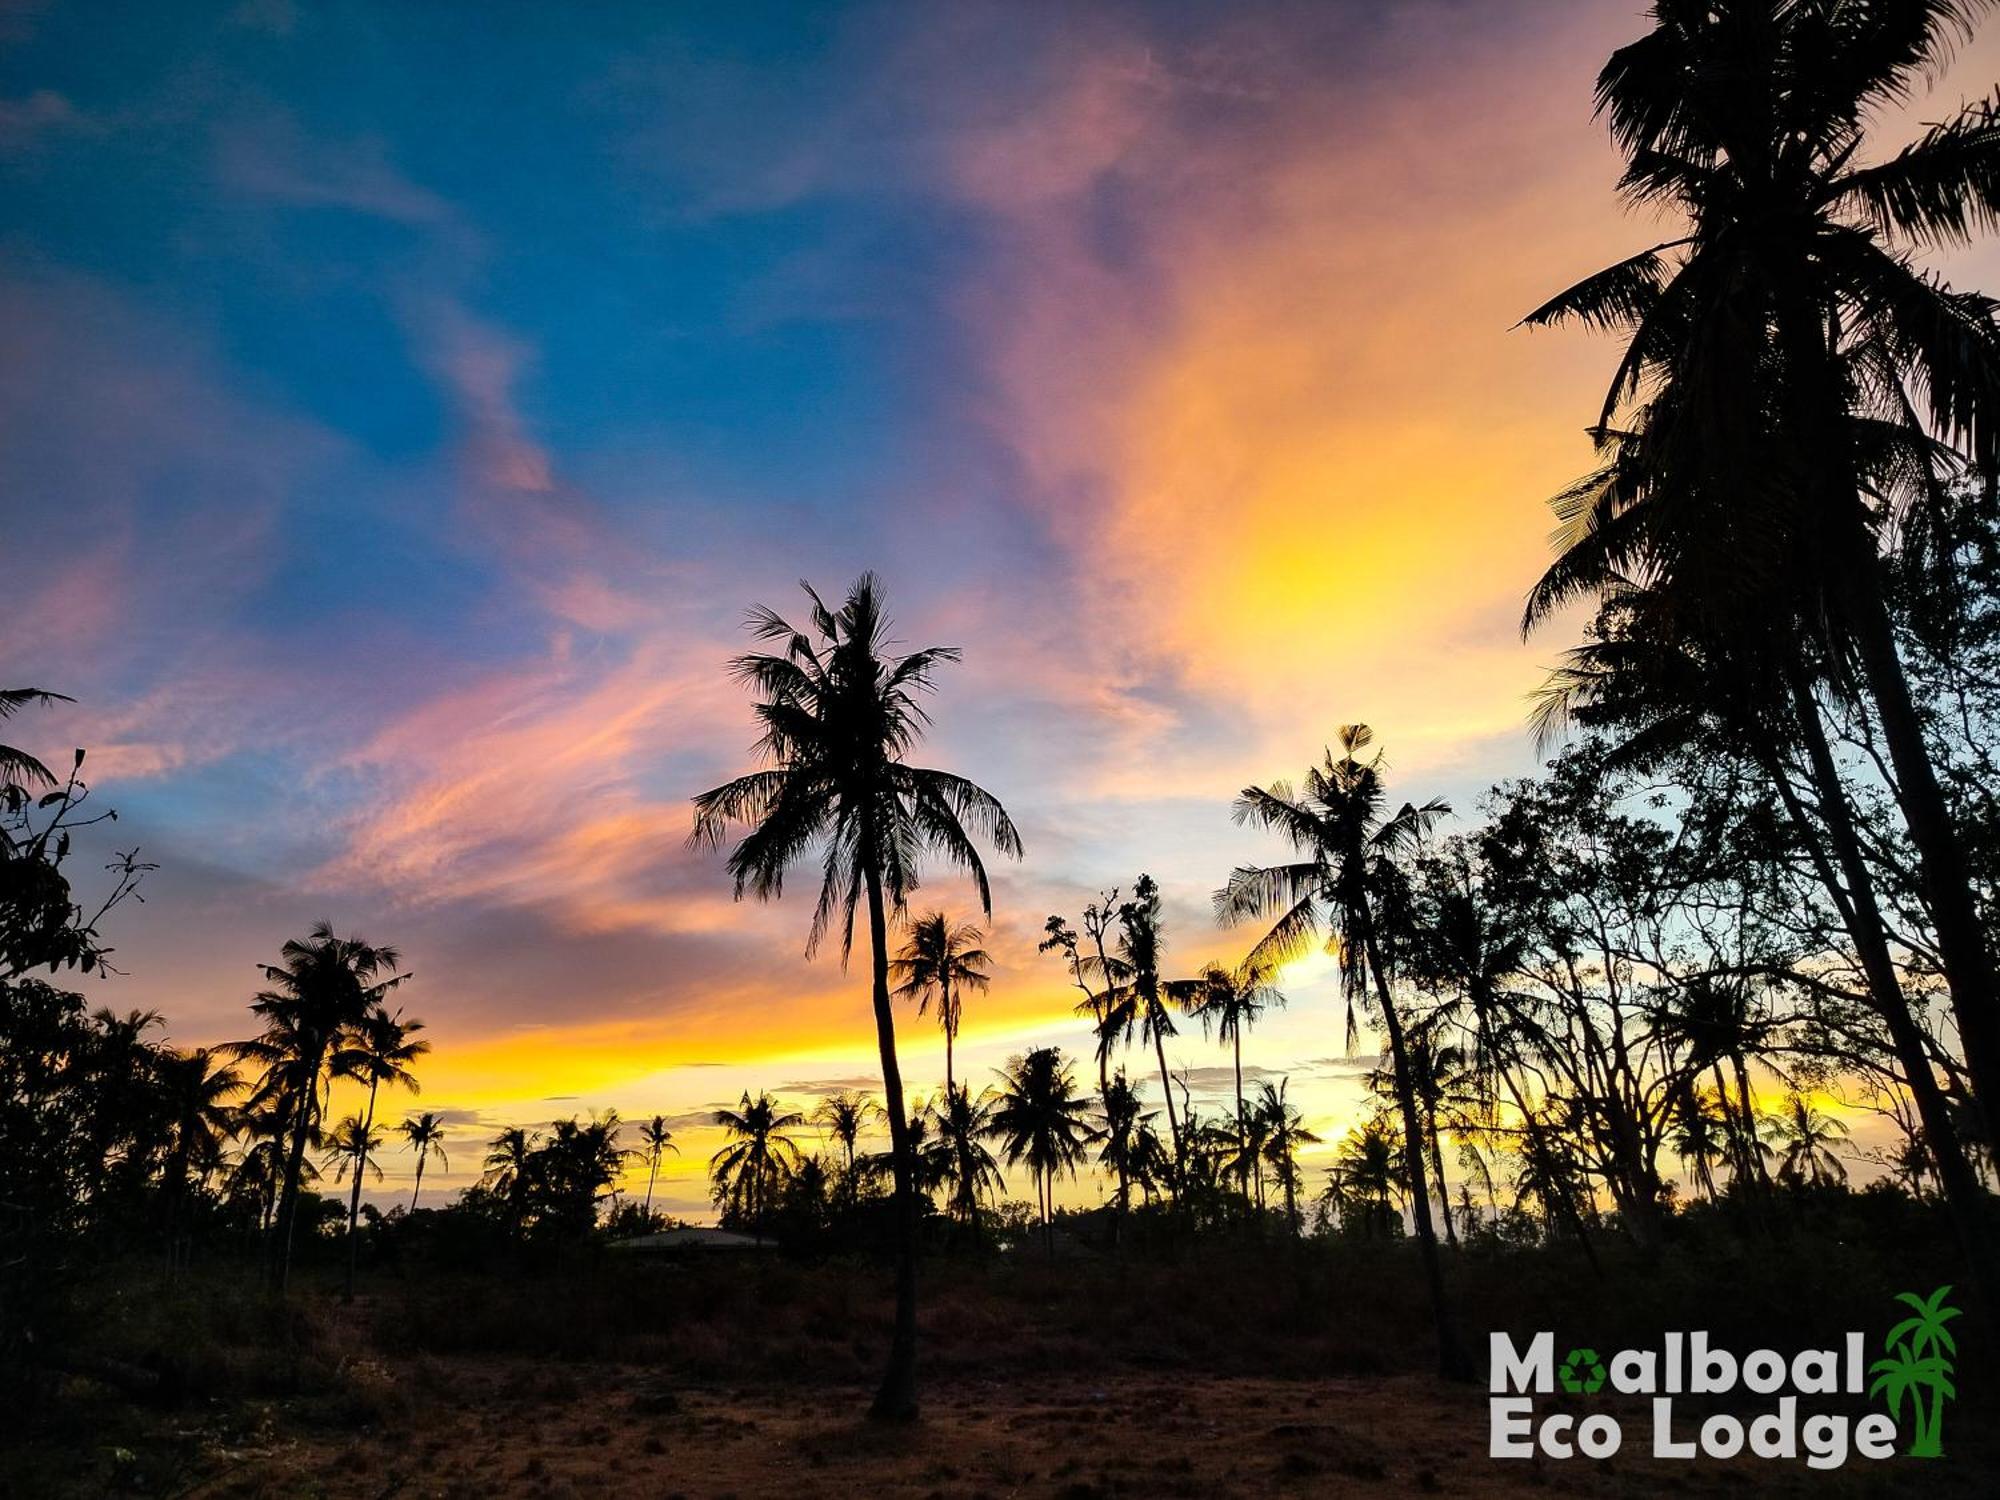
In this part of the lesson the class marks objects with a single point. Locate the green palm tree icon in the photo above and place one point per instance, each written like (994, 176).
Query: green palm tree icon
(1921, 1365)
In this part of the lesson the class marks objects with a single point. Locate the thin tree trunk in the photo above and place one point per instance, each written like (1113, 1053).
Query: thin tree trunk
(1437, 1166)
(1947, 879)
(896, 1400)
(950, 1032)
(1173, 1120)
(354, 1198)
(1861, 913)
(1453, 1363)
(652, 1176)
(288, 1200)
(1242, 1120)
(419, 1187)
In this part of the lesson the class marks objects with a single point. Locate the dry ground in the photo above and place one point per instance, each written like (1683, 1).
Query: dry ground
(500, 1428)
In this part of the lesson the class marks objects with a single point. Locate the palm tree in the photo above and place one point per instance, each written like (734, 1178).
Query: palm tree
(1808, 1137)
(1096, 973)
(751, 1169)
(844, 1115)
(1367, 1173)
(425, 1133)
(658, 1140)
(323, 988)
(1349, 848)
(351, 1147)
(1140, 1002)
(195, 1089)
(378, 1051)
(19, 769)
(840, 714)
(1792, 380)
(510, 1170)
(1040, 1118)
(941, 961)
(1284, 1133)
(1126, 1124)
(1227, 1002)
(962, 1123)
(1698, 1135)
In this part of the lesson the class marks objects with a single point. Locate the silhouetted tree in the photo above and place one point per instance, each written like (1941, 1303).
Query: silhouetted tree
(1039, 1118)
(840, 714)
(941, 962)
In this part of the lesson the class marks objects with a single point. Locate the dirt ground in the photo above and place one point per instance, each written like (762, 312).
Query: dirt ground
(494, 1428)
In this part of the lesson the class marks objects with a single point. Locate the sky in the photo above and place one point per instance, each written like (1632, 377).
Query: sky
(400, 406)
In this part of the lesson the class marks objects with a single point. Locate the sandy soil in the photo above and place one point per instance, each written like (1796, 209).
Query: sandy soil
(496, 1429)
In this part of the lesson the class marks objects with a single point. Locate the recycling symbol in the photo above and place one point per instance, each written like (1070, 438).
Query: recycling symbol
(1581, 1373)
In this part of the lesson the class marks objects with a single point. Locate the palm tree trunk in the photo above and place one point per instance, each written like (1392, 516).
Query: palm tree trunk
(896, 1400)
(950, 1033)
(1173, 1120)
(288, 1199)
(652, 1175)
(1946, 876)
(1861, 913)
(419, 1187)
(1242, 1123)
(1437, 1166)
(354, 1198)
(1453, 1363)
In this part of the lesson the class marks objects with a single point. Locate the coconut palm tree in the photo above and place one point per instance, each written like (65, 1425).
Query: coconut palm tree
(1040, 1118)
(380, 1050)
(1366, 1177)
(425, 1133)
(1096, 971)
(1124, 1125)
(351, 1147)
(1349, 846)
(840, 715)
(1698, 1135)
(1793, 383)
(510, 1170)
(844, 1115)
(19, 769)
(1808, 1137)
(195, 1089)
(658, 1140)
(1284, 1133)
(1228, 1002)
(322, 990)
(1141, 1001)
(962, 1124)
(941, 961)
(750, 1170)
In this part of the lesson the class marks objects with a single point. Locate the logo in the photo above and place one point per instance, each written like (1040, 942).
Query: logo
(1913, 1380)
(1918, 1369)
(1581, 1374)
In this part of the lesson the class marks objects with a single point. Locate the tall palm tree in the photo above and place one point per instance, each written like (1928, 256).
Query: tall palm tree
(380, 1050)
(658, 1140)
(196, 1088)
(1141, 1001)
(1792, 381)
(1808, 1136)
(1367, 1174)
(1284, 1133)
(425, 1133)
(323, 988)
(752, 1167)
(1096, 971)
(962, 1122)
(1228, 1002)
(840, 715)
(941, 961)
(1040, 1118)
(1338, 822)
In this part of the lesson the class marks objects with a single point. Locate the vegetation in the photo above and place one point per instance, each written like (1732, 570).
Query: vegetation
(1626, 1005)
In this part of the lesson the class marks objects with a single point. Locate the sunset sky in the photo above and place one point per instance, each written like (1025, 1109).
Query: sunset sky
(401, 405)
